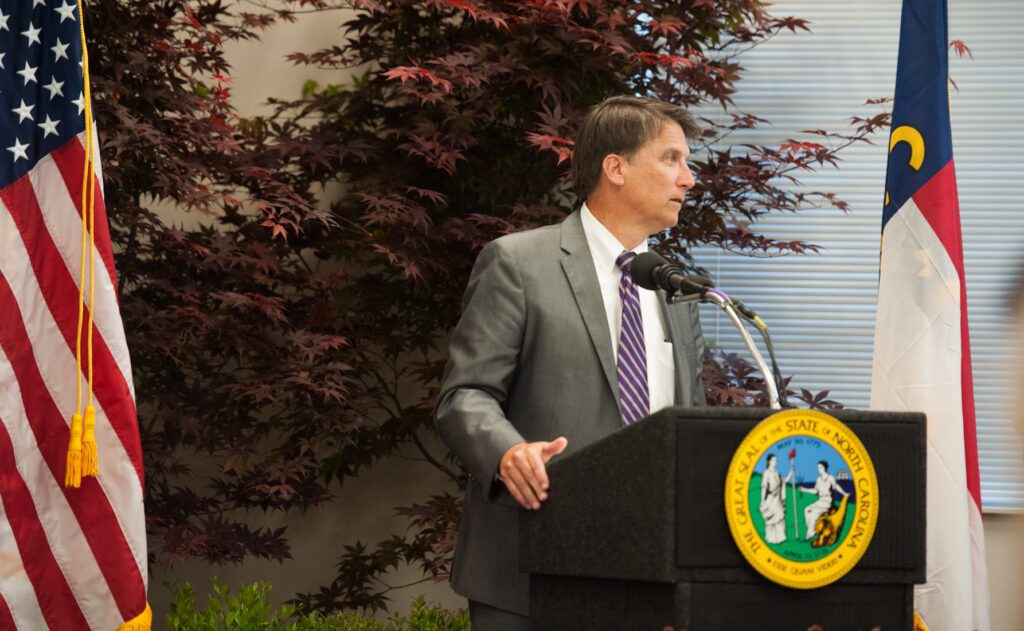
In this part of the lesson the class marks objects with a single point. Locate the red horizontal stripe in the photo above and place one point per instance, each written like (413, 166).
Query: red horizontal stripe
(61, 295)
(55, 598)
(89, 504)
(70, 161)
(6, 619)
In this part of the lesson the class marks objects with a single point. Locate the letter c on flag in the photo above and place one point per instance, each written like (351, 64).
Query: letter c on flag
(909, 135)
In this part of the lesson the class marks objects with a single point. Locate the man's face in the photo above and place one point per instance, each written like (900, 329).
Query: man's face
(656, 179)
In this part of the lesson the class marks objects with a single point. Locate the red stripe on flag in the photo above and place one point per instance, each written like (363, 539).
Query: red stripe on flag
(61, 294)
(938, 202)
(69, 160)
(6, 619)
(89, 504)
(56, 600)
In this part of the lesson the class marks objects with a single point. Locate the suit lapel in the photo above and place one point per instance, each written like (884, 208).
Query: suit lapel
(578, 265)
(680, 329)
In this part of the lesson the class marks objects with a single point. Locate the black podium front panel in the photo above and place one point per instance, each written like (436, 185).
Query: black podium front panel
(568, 603)
(634, 535)
(706, 439)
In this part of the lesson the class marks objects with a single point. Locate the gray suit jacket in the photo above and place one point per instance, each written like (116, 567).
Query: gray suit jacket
(531, 359)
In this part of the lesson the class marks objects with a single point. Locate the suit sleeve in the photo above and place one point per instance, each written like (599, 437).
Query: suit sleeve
(484, 354)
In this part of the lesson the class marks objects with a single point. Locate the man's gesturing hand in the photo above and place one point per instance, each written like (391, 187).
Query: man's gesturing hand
(523, 470)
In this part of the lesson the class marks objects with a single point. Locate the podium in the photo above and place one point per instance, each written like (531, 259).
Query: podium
(634, 534)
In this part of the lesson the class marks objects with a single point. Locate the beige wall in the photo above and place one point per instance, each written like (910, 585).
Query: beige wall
(1004, 547)
(362, 511)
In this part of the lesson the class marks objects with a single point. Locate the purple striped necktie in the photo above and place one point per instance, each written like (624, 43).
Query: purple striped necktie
(631, 365)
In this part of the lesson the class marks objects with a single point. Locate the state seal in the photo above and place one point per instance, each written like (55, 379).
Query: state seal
(801, 498)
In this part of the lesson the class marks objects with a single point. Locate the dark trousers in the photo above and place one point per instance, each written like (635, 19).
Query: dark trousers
(486, 618)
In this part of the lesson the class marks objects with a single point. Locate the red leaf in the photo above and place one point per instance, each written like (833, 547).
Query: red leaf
(961, 48)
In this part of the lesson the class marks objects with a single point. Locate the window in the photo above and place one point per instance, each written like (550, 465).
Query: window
(821, 308)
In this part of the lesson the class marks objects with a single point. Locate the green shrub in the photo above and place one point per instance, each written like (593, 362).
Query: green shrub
(250, 610)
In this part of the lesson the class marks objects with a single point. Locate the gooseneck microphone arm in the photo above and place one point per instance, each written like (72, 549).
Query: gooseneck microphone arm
(717, 297)
(651, 271)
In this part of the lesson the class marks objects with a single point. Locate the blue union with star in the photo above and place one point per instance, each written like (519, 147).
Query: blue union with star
(41, 96)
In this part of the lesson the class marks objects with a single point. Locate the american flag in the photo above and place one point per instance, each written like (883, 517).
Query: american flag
(70, 558)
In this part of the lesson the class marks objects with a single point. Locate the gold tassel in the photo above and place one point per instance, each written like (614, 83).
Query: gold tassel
(141, 622)
(919, 624)
(73, 474)
(90, 457)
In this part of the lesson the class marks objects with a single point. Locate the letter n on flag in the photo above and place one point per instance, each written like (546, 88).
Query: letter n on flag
(70, 558)
(922, 356)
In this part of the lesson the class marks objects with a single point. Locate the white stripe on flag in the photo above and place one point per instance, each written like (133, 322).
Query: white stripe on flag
(917, 368)
(56, 363)
(63, 533)
(979, 570)
(15, 587)
(64, 224)
(97, 163)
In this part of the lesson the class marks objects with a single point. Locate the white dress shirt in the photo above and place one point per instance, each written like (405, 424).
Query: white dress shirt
(661, 370)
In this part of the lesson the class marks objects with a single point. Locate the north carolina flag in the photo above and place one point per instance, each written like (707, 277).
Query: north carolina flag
(922, 358)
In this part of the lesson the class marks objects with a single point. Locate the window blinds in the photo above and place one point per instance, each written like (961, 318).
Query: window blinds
(821, 308)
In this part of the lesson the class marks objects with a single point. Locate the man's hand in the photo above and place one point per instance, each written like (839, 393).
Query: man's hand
(523, 470)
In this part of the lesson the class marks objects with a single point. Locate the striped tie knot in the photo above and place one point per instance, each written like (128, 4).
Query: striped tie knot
(625, 260)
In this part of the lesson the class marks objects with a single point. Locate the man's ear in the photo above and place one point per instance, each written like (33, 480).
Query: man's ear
(613, 168)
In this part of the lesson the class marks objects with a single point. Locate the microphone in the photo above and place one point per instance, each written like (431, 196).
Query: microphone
(650, 270)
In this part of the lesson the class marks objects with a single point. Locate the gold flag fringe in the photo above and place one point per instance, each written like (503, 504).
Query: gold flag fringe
(141, 622)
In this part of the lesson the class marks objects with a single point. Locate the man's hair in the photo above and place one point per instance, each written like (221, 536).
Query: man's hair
(620, 125)
(824, 463)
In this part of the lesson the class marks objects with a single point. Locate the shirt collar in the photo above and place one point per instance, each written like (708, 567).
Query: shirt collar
(604, 247)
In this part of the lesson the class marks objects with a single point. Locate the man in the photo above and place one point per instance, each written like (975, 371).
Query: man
(556, 348)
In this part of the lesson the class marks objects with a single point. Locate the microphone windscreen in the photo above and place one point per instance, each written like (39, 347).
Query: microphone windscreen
(643, 268)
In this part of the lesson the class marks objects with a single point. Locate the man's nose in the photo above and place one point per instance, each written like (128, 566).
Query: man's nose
(685, 179)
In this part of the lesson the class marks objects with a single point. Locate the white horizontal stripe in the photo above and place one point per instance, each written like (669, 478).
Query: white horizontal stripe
(65, 226)
(56, 362)
(979, 572)
(917, 368)
(15, 586)
(69, 546)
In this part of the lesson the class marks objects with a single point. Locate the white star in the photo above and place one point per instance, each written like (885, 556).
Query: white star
(55, 87)
(49, 127)
(18, 150)
(60, 50)
(38, 3)
(29, 73)
(80, 102)
(67, 12)
(2, 59)
(3, 21)
(23, 112)
(32, 34)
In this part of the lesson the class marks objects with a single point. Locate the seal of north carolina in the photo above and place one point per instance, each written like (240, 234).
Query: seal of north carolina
(801, 498)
